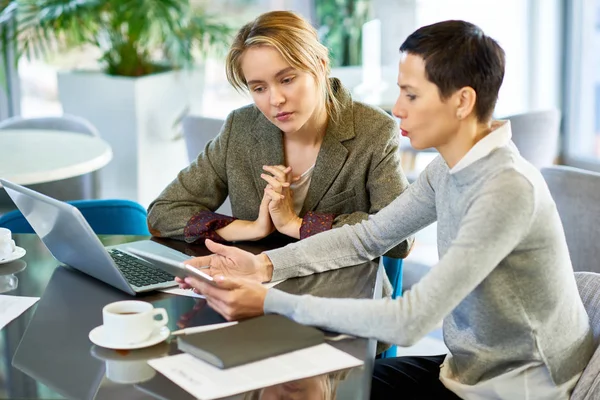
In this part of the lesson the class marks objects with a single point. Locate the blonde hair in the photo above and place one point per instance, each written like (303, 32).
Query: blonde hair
(297, 42)
(328, 383)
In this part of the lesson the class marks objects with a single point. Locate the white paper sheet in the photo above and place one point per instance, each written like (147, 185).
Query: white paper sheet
(207, 382)
(13, 306)
(269, 285)
(191, 293)
(182, 292)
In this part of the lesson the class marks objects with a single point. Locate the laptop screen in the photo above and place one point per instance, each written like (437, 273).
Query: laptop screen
(67, 235)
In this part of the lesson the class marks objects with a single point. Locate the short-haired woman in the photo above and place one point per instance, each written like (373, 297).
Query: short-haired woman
(514, 323)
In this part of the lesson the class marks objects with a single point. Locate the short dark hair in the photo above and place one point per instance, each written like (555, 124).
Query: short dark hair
(459, 54)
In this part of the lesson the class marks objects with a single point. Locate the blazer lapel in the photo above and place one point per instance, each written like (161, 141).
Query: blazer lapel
(265, 149)
(333, 154)
(330, 161)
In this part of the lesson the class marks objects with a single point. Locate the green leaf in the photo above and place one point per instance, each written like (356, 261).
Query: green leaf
(340, 28)
(136, 37)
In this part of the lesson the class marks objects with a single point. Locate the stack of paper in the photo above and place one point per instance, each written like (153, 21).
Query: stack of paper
(206, 382)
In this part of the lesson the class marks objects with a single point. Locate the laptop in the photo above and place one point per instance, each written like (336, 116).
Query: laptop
(71, 240)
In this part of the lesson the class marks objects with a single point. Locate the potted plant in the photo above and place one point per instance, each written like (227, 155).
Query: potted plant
(148, 52)
(6, 50)
(340, 28)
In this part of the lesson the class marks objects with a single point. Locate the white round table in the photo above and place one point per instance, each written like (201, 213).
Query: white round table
(30, 156)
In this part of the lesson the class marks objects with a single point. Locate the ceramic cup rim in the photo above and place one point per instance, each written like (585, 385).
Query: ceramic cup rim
(136, 307)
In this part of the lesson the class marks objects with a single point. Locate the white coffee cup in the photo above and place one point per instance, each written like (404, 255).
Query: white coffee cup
(133, 367)
(129, 372)
(7, 245)
(130, 322)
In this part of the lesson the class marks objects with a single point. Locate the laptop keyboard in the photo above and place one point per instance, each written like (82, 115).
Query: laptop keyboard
(137, 272)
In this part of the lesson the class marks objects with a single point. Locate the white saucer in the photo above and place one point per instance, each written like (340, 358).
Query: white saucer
(105, 354)
(16, 254)
(13, 267)
(98, 338)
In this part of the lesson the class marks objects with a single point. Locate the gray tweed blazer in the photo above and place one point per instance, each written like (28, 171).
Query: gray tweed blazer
(357, 171)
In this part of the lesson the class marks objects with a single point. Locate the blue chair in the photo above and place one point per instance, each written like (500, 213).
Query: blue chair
(393, 269)
(106, 217)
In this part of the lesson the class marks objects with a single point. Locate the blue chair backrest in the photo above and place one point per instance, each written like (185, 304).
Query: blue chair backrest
(106, 217)
(15, 221)
(393, 269)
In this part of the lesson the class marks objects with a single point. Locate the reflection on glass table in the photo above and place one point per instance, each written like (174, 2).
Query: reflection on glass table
(321, 387)
(129, 366)
(8, 278)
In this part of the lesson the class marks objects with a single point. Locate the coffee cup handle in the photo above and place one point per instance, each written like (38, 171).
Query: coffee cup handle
(163, 313)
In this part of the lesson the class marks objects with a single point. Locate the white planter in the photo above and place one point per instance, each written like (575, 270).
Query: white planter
(139, 117)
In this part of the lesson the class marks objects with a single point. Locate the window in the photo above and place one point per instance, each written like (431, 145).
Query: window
(582, 84)
(509, 27)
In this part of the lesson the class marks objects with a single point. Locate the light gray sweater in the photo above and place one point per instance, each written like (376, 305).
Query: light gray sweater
(504, 285)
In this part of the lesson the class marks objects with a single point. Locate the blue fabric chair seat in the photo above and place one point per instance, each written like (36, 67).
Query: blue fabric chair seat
(106, 217)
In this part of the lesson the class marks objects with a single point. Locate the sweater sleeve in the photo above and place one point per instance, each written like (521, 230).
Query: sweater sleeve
(495, 223)
(355, 244)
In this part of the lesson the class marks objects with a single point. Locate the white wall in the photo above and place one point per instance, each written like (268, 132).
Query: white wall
(545, 54)
(398, 20)
(504, 20)
(530, 32)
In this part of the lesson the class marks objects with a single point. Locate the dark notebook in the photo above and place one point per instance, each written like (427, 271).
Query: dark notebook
(251, 340)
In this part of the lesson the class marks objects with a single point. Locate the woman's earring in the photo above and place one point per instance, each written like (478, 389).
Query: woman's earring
(459, 116)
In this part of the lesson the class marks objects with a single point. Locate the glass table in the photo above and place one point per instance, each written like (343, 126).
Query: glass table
(46, 353)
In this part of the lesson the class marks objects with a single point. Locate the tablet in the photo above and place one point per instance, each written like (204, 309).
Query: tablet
(172, 267)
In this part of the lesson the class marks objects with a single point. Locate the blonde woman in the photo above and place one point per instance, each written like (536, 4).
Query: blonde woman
(331, 160)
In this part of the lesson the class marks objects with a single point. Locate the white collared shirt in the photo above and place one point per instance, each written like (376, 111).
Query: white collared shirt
(529, 382)
(500, 136)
